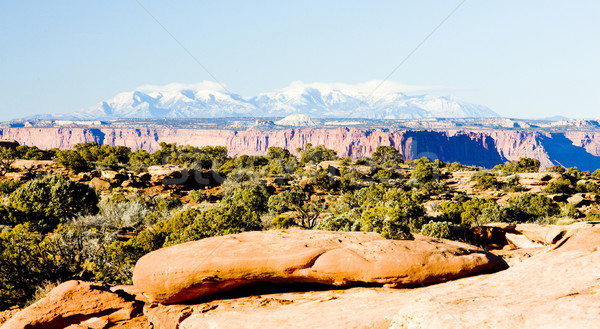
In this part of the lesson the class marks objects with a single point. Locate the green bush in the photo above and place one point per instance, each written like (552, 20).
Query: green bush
(561, 185)
(386, 220)
(484, 180)
(312, 155)
(387, 156)
(54, 199)
(557, 169)
(441, 230)
(451, 211)
(523, 165)
(295, 200)
(71, 160)
(574, 172)
(198, 196)
(528, 207)
(383, 175)
(9, 186)
(424, 171)
(473, 210)
(512, 184)
(348, 221)
(282, 222)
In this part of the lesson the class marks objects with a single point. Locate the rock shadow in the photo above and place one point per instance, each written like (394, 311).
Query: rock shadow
(562, 151)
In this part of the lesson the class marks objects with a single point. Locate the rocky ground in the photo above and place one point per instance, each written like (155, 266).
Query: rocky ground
(553, 282)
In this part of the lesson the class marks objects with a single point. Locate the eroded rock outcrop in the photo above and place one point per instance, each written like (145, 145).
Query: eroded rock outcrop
(214, 265)
(78, 304)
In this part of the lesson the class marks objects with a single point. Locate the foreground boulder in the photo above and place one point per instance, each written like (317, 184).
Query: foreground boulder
(556, 287)
(214, 265)
(78, 304)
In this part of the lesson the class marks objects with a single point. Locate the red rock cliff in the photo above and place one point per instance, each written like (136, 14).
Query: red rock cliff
(483, 148)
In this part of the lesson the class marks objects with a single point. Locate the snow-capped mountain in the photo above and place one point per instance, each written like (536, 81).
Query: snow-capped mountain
(317, 100)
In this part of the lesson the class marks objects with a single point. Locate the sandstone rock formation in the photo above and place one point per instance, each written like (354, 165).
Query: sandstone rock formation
(196, 269)
(556, 287)
(469, 146)
(549, 286)
(75, 303)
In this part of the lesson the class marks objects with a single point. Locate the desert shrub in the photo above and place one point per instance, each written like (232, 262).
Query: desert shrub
(281, 161)
(10, 216)
(240, 178)
(206, 157)
(386, 220)
(54, 199)
(387, 156)
(528, 207)
(216, 221)
(33, 153)
(71, 159)
(473, 210)
(348, 221)
(561, 185)
(512, 184)
(9, 186)
(557, 169)
(596, 173)
(456, 166)
(323, 180)
(569, 210)
(295, 200)
(282, 222)
(523, 165)
(24, 264)
(198, 196)
(495, 213)
(168, 203)
(450, 212)
(391, 212)
(424, 171)
(139, 161)
(383, 175)
(119, 215)
(440, 230)
(364, 162)
(574, 172)
(589, 187)
(345, 183)
(484, 180)
(315, 154)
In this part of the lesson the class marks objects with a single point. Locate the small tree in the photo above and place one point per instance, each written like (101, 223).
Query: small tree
(308, 211)
(7, 158)
(424, 171)
(316, 154)
(387, 156)
(71, 160)
(529, 207)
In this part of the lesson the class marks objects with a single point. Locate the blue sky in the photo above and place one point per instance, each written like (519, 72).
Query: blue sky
(526, 59)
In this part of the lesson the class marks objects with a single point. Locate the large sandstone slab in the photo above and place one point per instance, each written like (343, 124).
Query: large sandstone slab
(557, 287)
(214, 265)
(77, 304)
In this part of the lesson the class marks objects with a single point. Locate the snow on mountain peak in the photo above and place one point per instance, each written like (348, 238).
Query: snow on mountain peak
(370, 100)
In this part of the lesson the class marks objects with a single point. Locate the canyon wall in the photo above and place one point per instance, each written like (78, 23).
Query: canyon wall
(483, 147)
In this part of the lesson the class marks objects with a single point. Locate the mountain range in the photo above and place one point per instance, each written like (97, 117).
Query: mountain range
(317, 100)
